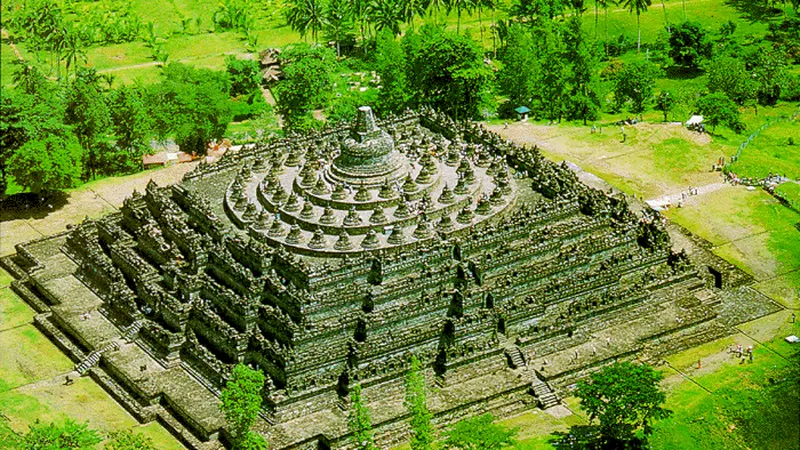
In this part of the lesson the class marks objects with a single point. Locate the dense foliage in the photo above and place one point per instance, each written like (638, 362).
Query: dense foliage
(240, 401)
(625, 398)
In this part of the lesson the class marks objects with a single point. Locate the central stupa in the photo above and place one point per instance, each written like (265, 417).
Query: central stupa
(368, 157)
(368, 189)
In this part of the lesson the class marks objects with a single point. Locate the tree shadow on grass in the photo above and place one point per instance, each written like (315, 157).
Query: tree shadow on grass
(31, 206)
(754, 11)
(682, 73)
(587, 437)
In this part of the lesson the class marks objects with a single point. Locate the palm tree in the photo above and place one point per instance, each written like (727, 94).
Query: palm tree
(337, 18)
(578, 6)
(413, 8)
(305, 16)
(460, 6)
(360, 12)
(605, 4)
(385, 16)
(480, 4)
(639, 6)
(73, 50)
(437, 5)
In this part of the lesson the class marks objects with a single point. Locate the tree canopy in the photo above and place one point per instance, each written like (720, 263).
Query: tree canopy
(480, 433)
(625, 398)
(240, 403)
(446, 71)
(307, 83)
(689, 44)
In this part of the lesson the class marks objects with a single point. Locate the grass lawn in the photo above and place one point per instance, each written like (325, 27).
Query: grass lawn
(720, 419)
(28, 357)
(749, 228)
(769, 152)
(791, 193)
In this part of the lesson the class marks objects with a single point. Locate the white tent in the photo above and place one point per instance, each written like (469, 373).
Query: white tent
(694, 120)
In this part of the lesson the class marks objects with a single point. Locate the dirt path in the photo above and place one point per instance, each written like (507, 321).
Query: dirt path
(7, 38)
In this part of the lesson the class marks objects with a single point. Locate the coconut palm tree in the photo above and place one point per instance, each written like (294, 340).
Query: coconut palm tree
(306, 15)
(360, 12)
(73, 50)
(666, 19)
(413, 8)
(460, 6)
(337, 18)
(605, 4)
(479, 5)
(386, 15)
(639, 6)
(436, 6)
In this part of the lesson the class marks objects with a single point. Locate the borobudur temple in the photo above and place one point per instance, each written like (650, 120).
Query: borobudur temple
(327, 259)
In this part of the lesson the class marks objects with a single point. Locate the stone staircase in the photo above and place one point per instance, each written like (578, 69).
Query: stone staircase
(515, 358)
(546, 397)
(132, 331)
(94, 357)
(90, 361)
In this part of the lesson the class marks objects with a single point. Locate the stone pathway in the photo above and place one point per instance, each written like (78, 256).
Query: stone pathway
(674, 198)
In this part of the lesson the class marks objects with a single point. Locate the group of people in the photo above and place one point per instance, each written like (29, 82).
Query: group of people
(742, 353)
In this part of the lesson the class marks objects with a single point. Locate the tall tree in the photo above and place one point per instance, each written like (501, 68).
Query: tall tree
(306, 16)
(729, 75)
(625, 398)
(446, 71)
(240, 402)
(718, 109)
(767, 66)
(306, 84)
(416, 402)
(359, 422)
(639, 6)
(584, 79)
(50, 162)
(73, 50)
(191, 105)
(338, 21)
(410, 9)
(635, 84)
(517, 79)
(88, 113)
(460, 6)
(385, 15)
(554, 76)
(689, 45)
(605, 4)
(390, 65)
(131, 123)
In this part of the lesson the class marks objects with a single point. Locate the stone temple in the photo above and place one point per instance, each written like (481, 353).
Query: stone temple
(327, 259)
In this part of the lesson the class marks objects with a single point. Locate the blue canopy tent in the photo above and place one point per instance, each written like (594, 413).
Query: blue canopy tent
(522, 112)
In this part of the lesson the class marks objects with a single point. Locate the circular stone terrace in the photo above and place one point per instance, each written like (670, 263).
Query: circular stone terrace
(369, 193)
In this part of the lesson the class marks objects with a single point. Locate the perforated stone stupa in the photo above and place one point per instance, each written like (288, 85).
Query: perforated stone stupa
(328, 259)
(372, 195)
